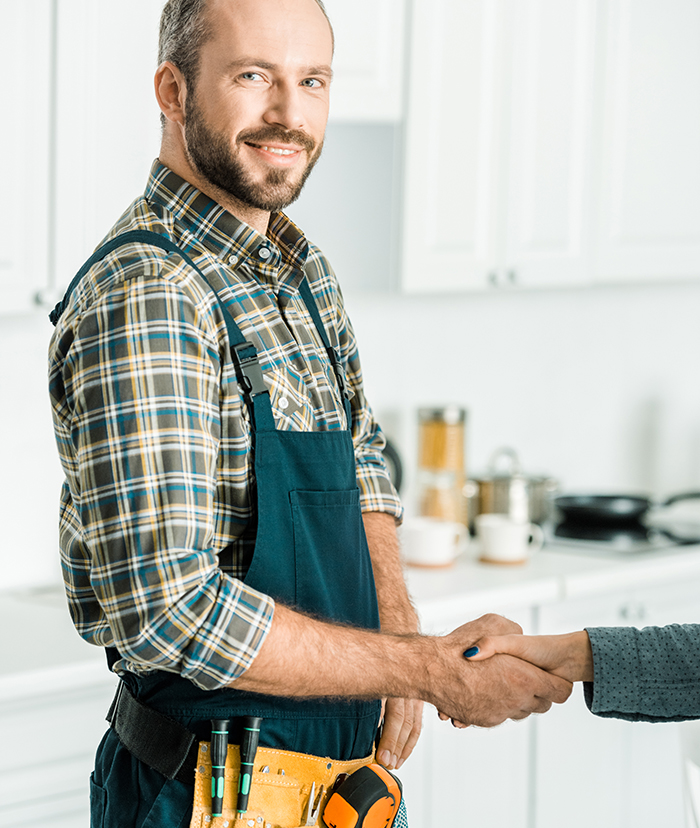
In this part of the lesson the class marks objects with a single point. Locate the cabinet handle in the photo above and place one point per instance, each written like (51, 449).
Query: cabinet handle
(512, 276)
(493, 278)
(632, 612)
(48, 298)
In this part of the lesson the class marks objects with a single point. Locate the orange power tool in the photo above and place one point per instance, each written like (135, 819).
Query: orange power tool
(368, 798)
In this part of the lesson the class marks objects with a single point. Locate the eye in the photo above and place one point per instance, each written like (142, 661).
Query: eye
(251, 76)
(312, 83)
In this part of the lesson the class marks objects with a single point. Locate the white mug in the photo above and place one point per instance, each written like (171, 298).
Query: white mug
(505, 540)
(431, 542)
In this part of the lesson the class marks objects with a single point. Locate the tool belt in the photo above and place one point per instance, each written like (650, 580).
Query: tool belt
(283, 782)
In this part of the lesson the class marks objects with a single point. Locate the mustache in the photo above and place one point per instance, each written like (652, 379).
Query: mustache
(275, 134)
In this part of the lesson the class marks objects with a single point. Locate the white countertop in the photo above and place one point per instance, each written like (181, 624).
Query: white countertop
(41, 648)
(39, 643)
(470, 588)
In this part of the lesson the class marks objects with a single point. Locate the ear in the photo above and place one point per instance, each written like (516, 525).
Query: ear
(171, 92)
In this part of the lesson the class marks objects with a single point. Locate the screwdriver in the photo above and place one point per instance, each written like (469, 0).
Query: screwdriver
(249, 747)
(219, 748)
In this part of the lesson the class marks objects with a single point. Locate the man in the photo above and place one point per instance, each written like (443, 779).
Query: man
(223, 468)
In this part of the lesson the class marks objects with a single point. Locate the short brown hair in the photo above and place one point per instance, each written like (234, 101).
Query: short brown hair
(184, 29)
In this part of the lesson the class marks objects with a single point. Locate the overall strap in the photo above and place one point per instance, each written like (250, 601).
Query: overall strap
(245, 357)
(333, 353)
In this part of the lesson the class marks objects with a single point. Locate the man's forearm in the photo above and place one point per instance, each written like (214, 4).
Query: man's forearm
(395, 609)
(304, 657)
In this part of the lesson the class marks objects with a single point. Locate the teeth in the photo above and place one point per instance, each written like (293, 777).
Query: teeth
(277, 151)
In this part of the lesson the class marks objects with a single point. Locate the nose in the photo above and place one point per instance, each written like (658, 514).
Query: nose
(285, 107)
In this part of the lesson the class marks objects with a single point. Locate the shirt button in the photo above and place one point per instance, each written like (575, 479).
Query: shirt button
(283, 403)
(264, 253)
(233, 259)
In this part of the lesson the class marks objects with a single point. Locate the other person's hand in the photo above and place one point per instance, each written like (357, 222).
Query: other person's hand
(568, 656)
(497, 687)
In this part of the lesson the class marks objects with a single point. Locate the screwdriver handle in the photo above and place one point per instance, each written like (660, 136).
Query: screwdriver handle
(249, 747)
(219, 748)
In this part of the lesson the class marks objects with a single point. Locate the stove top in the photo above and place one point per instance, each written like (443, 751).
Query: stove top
(630, 537)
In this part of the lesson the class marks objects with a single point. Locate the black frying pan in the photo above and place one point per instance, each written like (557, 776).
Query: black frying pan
(612, 508)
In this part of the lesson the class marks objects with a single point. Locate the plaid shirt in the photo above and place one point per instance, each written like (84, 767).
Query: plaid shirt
(154, 438)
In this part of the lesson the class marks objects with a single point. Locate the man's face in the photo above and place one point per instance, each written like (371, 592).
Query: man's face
(256, 118)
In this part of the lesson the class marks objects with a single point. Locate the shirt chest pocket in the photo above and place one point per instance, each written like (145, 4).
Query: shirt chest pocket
(303, 403)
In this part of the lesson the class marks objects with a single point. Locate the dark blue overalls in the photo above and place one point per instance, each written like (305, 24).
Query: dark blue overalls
(310, 553)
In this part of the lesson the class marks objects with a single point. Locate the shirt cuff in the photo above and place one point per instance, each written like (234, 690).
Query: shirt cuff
(210, 635)
(377, 492)
(614, 692)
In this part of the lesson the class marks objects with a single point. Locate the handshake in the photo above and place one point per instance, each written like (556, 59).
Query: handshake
(513, 675)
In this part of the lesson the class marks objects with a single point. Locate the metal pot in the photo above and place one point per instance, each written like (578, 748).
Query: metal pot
(507, 490)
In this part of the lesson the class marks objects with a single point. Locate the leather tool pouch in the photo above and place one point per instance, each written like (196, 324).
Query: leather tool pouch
(279, 793)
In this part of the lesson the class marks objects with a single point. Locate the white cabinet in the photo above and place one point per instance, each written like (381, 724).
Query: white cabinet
(368, 60)
(649, 219)
(449, 779)
(107, 119)
(498, 141)
(49, 738)
(451, 154)
(25, 150)
(599, 771)
(551, 143)
(548, 135)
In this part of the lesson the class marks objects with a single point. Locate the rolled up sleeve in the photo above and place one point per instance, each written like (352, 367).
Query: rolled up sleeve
(142, 385)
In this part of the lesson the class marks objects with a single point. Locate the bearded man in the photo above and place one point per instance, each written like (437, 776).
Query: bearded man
(227, 520)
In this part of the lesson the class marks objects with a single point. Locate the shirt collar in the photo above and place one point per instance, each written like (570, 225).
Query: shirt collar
(277, 258)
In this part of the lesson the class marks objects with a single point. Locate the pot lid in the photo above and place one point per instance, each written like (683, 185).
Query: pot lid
(505, 465)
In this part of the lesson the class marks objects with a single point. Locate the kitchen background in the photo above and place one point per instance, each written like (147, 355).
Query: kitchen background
(510, 195)
(555, 141)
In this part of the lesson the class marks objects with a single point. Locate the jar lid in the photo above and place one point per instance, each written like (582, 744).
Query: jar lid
(450, 414)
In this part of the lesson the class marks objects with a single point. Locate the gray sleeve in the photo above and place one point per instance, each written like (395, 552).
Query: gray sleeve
(650, 675)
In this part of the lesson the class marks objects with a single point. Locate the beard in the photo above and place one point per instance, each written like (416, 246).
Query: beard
(220, 164)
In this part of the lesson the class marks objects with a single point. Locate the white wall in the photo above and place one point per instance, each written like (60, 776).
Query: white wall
(597, 387)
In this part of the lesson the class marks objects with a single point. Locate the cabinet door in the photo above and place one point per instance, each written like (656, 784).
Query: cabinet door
(650, 199)
(65, 727)
(452, 144)
(546, 215)
(368, 60)
(633, 768)
(451, 777)
(25, 148)
(580, 758)
(107, 119)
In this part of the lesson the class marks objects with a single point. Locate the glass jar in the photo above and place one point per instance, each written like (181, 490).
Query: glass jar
(441, 467)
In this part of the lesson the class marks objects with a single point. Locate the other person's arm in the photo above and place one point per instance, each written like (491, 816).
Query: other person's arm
(651, 674)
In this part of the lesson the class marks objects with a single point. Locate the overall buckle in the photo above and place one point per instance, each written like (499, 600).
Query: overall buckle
(251, 376)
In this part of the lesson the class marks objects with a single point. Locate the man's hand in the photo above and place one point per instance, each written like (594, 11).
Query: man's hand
(568, 656)
(403, 720)
(497, 688)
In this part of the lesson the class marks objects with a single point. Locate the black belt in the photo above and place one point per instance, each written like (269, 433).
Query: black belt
(154, 739)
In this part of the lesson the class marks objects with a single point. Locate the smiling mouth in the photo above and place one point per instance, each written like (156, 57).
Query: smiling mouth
(274, 150)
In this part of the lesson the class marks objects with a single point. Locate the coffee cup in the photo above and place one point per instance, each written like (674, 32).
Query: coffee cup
(431, 542)
(504, 540)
